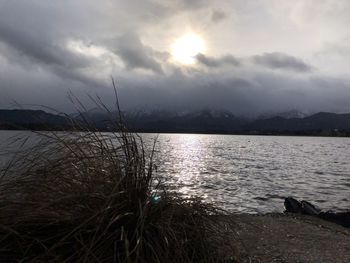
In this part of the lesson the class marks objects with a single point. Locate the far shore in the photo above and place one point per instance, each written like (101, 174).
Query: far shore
(287, 134)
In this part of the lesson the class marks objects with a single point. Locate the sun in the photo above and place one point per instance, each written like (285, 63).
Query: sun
(185, 49)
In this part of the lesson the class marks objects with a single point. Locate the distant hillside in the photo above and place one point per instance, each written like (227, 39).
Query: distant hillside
(320, 122)
(286, 115)
(31, 119)
(210, 121)
(204, 121)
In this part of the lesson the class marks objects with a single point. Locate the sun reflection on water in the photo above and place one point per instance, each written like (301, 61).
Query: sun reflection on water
(195, 166)
(254, 173)
(190, 151)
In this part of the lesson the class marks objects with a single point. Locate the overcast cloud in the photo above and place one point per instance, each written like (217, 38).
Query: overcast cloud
(261, 56)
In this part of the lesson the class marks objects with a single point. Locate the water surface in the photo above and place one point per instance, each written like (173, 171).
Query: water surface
(255, 173)
(251, 173)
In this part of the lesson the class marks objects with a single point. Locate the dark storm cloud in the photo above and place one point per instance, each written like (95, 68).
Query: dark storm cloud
(135, 55)
(35, 50)
(29, 45)
(218, 62)
(283, 61)
(37, 64)
(153, 10)
(39, 49)
(217, 16)
(251, 95)
(279, 61)
(58, 62)
(193, 4)
(241, 90)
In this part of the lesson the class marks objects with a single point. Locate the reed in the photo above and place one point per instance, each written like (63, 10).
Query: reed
(93, 197)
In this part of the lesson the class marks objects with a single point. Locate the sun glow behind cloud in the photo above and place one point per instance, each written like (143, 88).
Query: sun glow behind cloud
(186, 47)
(147, 47)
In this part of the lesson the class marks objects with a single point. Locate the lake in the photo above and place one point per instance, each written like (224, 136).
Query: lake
(252, 174)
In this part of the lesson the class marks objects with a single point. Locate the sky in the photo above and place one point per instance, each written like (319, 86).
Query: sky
(249, 57)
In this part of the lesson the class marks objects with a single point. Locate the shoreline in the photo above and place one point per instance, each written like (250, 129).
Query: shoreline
(290, 238)
(185, 132)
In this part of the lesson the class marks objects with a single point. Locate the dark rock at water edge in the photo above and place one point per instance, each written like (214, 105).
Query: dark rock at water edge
(292, 205)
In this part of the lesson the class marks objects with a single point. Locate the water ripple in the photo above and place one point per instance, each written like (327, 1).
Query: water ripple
(254, 173)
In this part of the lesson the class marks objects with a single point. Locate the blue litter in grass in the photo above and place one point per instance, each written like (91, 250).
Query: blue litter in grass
(156, 199)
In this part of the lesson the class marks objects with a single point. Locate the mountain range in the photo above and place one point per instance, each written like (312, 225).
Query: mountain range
(19, 119)
(203, 121)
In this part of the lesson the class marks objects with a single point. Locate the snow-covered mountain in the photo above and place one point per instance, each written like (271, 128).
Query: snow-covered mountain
(292, 114)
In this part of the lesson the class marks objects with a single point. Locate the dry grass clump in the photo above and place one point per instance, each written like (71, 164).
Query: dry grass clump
(92, 197)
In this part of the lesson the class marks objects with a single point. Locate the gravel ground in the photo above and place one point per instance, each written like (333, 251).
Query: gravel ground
(291, 238)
